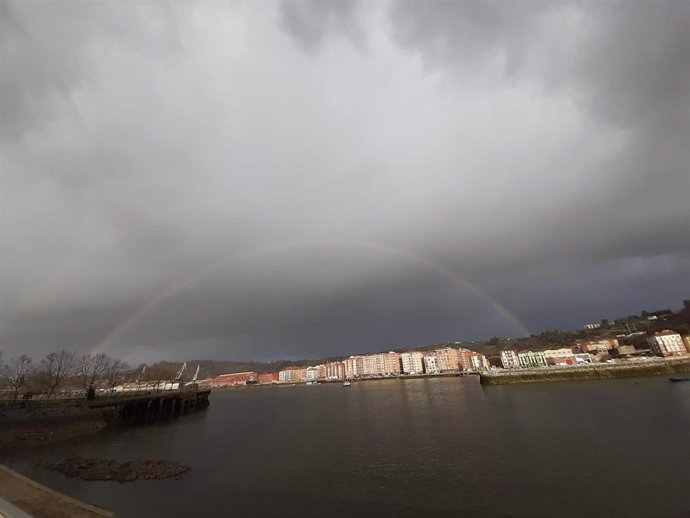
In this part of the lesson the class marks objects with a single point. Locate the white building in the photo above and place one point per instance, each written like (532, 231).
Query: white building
(509, 360)
(286, 376)
(532, 359)
(311, 374)
(430, 364)
(335, 371)
(412, 363)
(479, 362)
(667, 343)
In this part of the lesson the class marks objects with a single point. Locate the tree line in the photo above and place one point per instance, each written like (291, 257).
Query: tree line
(61, 370)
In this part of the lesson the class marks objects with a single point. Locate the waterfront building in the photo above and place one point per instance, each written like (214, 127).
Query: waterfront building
(354, 366)
(235, 378)
(311, 374)
(469, 360)
(291, 375)
(601, 346)
(446, 359)
(391, 363)
(667, 343)
(322, 371)
(430, 365)
(268, 377)
(562, 356)
(529, 359)
(373, 365)
(582, 358)
(412, 362)
(286, 376)
(479, 362)
(300, 374)
(335, 371)
(509, 360)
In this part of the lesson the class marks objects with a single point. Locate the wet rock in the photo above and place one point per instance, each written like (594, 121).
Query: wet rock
(130, 471)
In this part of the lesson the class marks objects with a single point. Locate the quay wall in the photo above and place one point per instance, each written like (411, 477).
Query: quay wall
(599, 371)
(35, 422)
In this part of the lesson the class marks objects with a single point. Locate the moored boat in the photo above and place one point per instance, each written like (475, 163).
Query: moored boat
(678, 380)
(346, 384)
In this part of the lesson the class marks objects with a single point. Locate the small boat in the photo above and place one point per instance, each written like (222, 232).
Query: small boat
(678, 380)
(347, 384)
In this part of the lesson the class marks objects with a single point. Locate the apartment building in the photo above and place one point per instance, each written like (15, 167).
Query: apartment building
(667, 343)
(412, 362)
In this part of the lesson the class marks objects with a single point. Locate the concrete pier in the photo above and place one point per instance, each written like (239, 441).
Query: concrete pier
(149, 407)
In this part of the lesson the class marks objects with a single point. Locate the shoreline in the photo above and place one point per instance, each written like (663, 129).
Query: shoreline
(661, 367)
(40, 501)
(357, 380)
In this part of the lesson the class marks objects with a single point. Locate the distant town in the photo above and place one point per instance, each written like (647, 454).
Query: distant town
(663, 334)
(638, 341)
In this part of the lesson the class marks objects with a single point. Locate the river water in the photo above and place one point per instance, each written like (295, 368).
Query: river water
(423, 447)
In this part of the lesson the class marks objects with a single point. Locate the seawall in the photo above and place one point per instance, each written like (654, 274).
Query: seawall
(658, 367)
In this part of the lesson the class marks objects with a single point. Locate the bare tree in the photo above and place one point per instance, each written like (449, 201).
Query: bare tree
(115, 372)
(91, 368)
(55, 366)
(19, 371)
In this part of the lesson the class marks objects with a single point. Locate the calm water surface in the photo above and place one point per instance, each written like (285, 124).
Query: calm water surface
(435, 447)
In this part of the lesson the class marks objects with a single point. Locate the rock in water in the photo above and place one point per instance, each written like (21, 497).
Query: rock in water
(102, 469)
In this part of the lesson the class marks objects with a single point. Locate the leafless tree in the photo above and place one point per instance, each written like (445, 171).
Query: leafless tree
(115, 371)
(91, 368)
(19, 371)
(54, 367)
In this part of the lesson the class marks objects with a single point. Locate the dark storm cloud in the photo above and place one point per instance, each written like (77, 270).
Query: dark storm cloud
(302, 179)
(311, 22)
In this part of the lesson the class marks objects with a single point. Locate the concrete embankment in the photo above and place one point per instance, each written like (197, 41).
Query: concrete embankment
(35, 425)
(39, 501)
(658, 367)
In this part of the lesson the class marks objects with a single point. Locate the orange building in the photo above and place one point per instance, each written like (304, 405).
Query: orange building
(235, 378)
(268, 377)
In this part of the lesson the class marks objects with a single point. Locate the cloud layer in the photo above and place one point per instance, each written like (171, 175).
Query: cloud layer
(285, 180)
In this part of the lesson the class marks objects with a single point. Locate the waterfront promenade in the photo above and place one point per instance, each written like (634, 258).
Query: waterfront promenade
(38, 501)
(626, 369)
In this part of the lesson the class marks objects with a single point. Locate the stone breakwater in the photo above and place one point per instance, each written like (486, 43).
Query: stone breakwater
(658, 367)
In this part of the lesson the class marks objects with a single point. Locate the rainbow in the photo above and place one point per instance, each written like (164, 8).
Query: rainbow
(189, 281)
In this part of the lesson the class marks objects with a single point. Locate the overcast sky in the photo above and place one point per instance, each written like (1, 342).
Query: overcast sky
(269, 180)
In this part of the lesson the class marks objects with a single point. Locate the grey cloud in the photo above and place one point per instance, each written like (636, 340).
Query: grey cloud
(178, 182)
(311, 22)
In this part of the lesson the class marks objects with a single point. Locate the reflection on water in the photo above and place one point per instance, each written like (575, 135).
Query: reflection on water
(408, 448)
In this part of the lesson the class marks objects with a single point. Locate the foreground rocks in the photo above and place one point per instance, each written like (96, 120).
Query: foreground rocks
(100, 469)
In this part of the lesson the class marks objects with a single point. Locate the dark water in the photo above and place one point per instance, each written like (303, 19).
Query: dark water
(436, 447)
